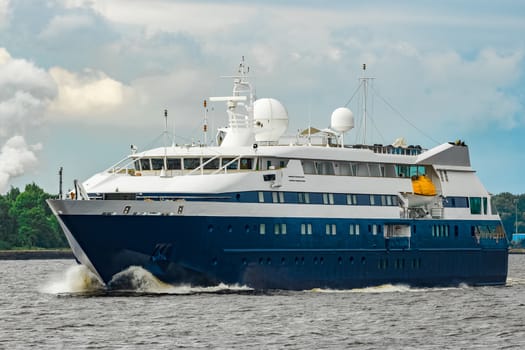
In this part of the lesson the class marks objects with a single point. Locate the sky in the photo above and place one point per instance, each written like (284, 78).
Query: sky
(82, 80)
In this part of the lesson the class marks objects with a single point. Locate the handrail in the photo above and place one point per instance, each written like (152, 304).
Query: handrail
(201, 167)
(225, 166)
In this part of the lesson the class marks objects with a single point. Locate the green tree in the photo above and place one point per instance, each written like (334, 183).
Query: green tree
(7, 224)
(35, 224)
(506, 204)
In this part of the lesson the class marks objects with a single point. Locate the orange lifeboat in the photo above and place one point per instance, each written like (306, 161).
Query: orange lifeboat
(423, 186)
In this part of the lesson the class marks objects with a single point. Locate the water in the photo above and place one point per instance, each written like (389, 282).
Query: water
(55, 304)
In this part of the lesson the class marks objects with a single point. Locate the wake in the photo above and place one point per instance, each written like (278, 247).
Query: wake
(78, 280)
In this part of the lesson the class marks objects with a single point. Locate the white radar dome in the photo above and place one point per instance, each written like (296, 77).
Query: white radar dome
(271, 119)
(342, 120)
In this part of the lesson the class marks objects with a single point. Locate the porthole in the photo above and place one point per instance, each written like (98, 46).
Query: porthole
(283, 260)
(247, 228)
(363, 260)
(340, 260)
(244, 261)
(210, 228)
(351, 260)
(230, 228)
(214, 261)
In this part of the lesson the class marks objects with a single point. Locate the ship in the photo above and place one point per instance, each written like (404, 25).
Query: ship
(267, 210)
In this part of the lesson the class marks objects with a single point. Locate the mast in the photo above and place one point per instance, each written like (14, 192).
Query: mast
(364, 82)
(205, 126)
(60, 182)
(165, 140)
(239, 107)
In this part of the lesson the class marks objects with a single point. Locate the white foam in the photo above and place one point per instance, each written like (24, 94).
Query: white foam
(515, 281)
(386, 288)
(137, 279)
(76, 279)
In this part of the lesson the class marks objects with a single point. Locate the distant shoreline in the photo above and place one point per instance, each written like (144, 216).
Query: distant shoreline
(42, 254)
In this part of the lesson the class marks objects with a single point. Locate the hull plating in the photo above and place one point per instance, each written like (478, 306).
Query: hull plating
(209, 250)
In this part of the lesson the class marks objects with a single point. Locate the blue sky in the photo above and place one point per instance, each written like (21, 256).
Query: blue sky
(81, 80)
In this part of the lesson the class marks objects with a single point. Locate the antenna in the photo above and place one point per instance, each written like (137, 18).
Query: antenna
(205, 126)
(60, 183)
(165, 139)
(364, 81)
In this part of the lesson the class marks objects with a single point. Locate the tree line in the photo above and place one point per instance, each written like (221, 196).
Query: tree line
(26, 222)
(511, 209)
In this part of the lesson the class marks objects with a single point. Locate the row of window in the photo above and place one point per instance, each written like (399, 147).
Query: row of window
(301, 260)
(382, 263)
(477, 205)
(443, 231)
(398, 263)
(306, 229)
(311, 167)
(145, 164)
(323, 167)
(327, 198)
(438, 231)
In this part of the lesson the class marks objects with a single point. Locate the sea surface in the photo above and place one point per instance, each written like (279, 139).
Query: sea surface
(56, 304)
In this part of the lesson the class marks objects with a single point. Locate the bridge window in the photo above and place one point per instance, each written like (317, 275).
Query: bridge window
(475, 205)
(191, 163)
(144, 164)
(246, 163)
(232, 165)
(212, 164)
(157, 163)
(174, 164)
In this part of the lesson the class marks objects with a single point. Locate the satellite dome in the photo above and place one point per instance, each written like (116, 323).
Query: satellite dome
(342, 120)
(271, 119)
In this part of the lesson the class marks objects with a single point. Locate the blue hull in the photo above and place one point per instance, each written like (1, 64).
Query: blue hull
(210, 250)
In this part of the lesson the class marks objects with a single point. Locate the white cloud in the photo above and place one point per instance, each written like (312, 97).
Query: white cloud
(265, 57)
(25, 92)
(66, 23)
(158, 15)
(16, 157)
(179, 91)
(90, 93)
(4, 12)
(4, 56)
